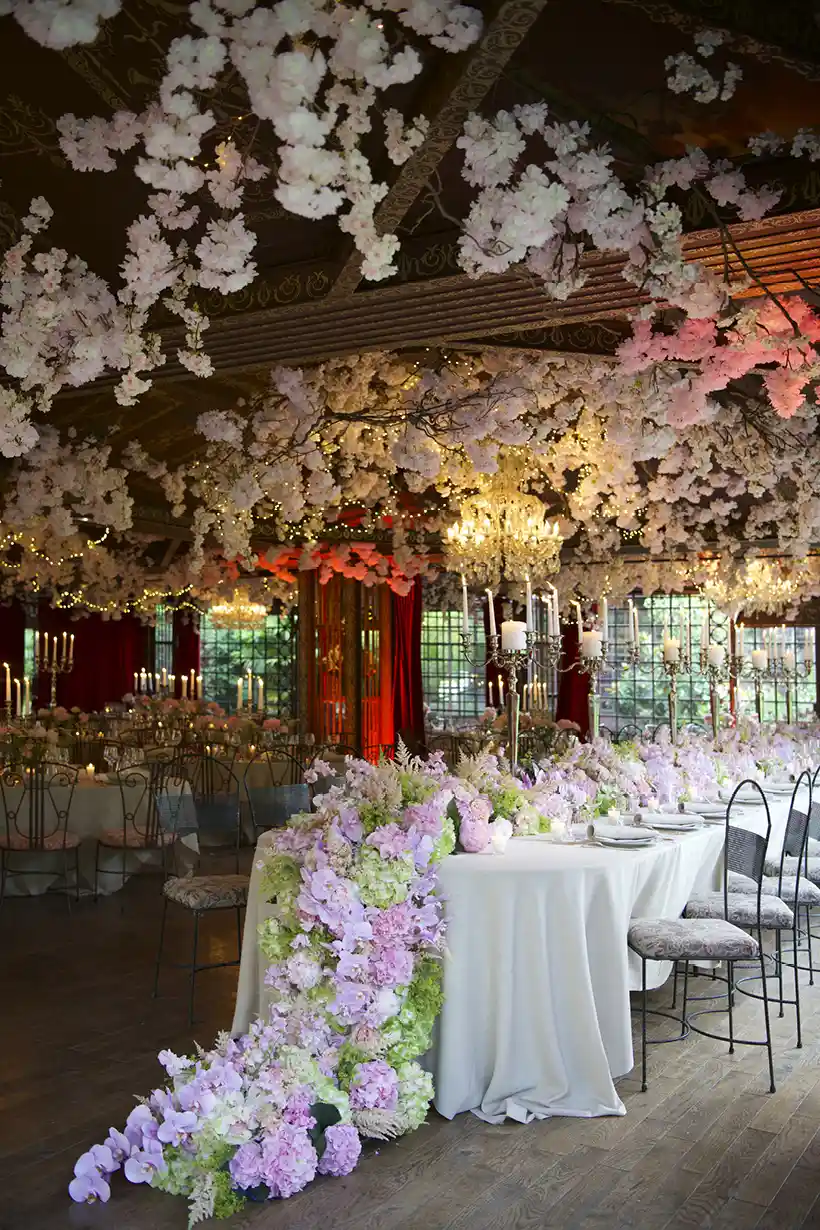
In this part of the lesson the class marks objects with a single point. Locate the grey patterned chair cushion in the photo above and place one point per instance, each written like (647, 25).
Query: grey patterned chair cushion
(699, 939)
(808, 893)
(739, 883)
(207, 892)
(812, 870)
(742, 907)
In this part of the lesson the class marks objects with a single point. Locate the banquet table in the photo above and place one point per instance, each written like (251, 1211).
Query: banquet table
(536, 1016)
(95, 807)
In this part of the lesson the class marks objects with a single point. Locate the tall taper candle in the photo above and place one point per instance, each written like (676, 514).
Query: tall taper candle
(465, 609)
(26, 696)
(630, 621)
(491, 612)
(579, 620)
(71, 649)
(17, 705)
(8, 682)
(239, 684)
(528, 610)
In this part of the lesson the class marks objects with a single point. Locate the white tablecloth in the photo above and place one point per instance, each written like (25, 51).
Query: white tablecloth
(95, 807)
(536, 1018)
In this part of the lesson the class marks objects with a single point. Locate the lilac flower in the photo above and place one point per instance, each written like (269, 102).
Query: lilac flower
(389, 840)
(383, 1004)
(474, 834)
(375, 1086)
(342, 1149)
(89, 1187)
(140, 1125)
(177, 1126)
(194, 1097)
(425, 818)
(289, 1160)
(119, 1144)
(245, 1166)
(391, 965)
(174, 1064)
(297, 1109)
(143, 1165)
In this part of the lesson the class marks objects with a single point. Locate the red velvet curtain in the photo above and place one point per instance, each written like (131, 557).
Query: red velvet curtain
(107, 652)
(186, 647)
(573, 685)
(12, 639)
(408, 695)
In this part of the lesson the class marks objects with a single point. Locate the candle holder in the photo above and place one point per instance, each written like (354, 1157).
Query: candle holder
(673, 668)
(593, 665)
(715, 675)
(788, 676)
(43, 665)
(510, 662)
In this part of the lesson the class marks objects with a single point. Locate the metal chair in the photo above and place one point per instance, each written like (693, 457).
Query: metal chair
(278, 788)
(214, 799)
(148, 819)
(706, 935)
(36, 805)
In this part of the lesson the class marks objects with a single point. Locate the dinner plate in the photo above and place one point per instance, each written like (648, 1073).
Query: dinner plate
(749, 798)
(639, 843)
(778, 787)
(706, 810)
(672, 827)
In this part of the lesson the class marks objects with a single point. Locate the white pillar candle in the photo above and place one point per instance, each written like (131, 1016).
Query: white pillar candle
(26, 696)
(491, 612)
(716, 655)
(513, 634)
(260, 694)
(528, 606)
(591, 644)
(465, 610)
(760, 659)
(17, 702)
(630, 621)
(239, 684)
(671, 649)
(579, 619)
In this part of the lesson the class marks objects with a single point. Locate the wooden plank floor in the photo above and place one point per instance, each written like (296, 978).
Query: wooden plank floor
(705, 1147)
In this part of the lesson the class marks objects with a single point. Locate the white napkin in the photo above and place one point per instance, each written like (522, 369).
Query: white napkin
(617, 832)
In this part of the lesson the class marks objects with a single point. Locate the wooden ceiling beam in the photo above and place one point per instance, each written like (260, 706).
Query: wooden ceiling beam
(454, 95)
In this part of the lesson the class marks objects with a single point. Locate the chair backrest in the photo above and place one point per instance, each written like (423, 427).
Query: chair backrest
(144, 792)
(814, 778)
(277, 766)
(744, 850)
(37, 803)
(215, 792)
(797, 825)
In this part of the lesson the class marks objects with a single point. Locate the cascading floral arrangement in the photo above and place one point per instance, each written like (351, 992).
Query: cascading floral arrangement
(354, 932)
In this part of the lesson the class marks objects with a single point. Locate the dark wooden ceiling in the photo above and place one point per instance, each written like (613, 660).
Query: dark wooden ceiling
(597, 60)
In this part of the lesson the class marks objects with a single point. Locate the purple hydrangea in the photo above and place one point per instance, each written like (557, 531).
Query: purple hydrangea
(375, 1086)
(297, 1109)
(289, 1160)
(245, 1166)
(342, 1150)
(390, 841)
(391, 965)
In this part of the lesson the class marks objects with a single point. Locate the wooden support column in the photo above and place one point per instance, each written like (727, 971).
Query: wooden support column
(352, 661)
(306, 677)
(386, 663)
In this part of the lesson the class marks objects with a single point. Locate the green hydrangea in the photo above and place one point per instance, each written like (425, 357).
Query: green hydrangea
(411, 1030)
(349, 1057)
(415, 1093)
(281, 880)
(446, 843)
(506, 801)
(275, 939)
(374, 816)
(416, 789)
(383, 882)
(178, 1177)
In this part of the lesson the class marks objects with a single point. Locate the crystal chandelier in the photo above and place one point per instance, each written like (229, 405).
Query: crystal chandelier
(240, 614)
(760, 585)
(503, 534)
